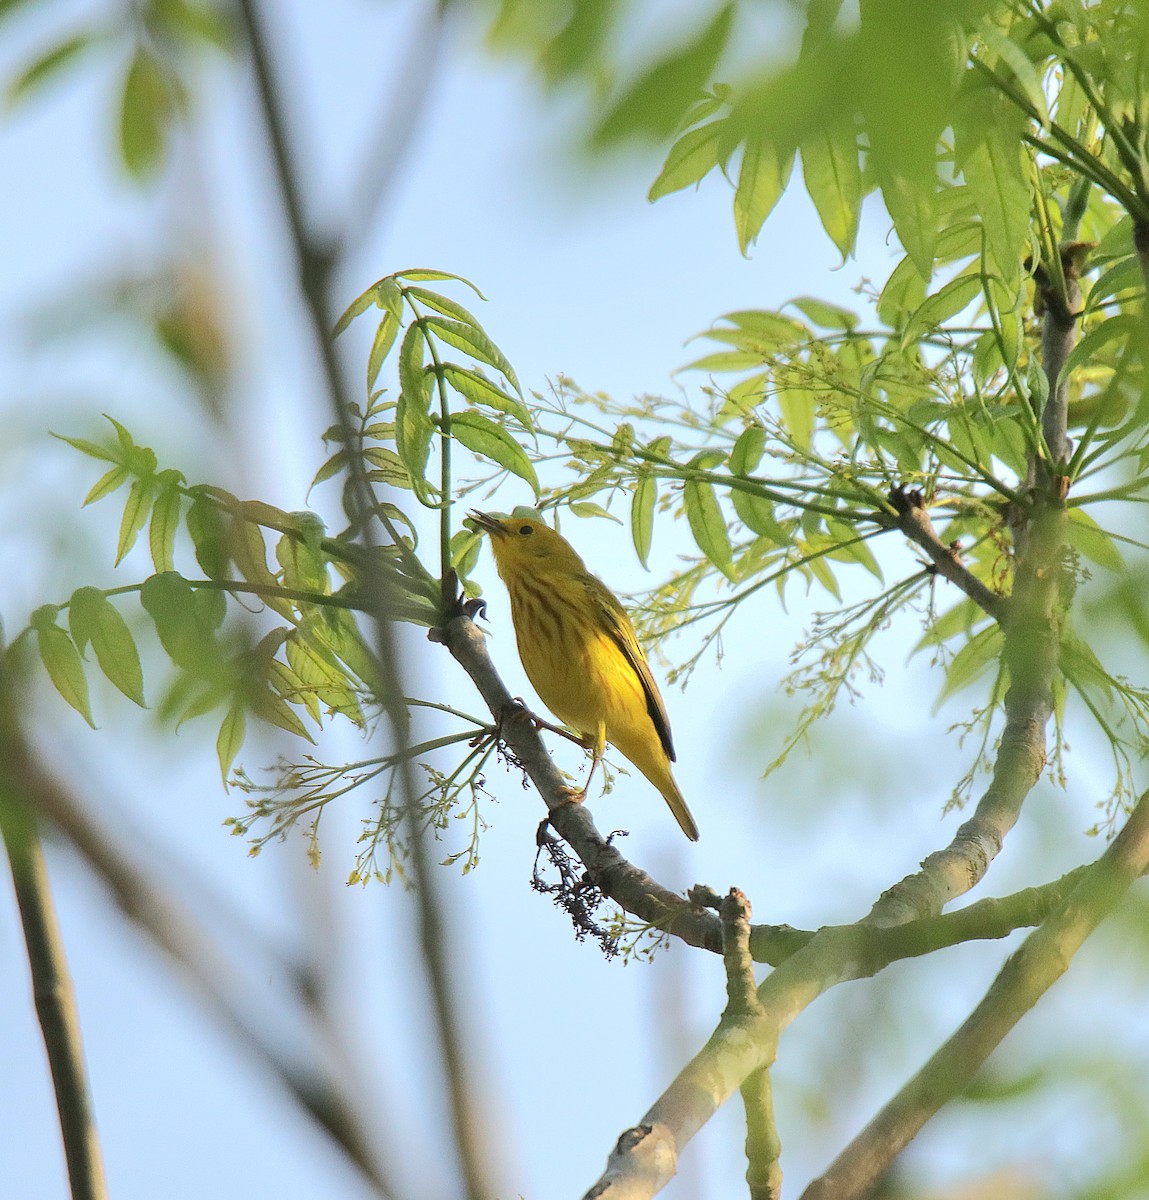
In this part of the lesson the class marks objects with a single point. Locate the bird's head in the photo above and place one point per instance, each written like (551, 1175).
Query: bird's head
(525, 540)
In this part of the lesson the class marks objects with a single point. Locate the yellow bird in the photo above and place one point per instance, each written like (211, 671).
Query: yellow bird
(580, 652)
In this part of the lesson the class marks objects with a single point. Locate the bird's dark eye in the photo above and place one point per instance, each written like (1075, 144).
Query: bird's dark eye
(526, 530)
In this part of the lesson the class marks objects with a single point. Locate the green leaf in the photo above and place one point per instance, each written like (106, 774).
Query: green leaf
(356, 308)
(47, 66)
(748, 450)
(331, 467)
(828, 316)
(799, 412)
(249, 553)
(208, 530)
(1084, 534)
(107, 484)
(414, 380)
(184, 630)
(972, 660)
(304, 564)
(1124, 275)
(851, 549)
(833, 179)
(424, 275)
(135, 517)
(642, 515)
(708, 525)
(473, 341)
(654, 104)
(911, 208)
(89, 448)
(757, 514)
(1115, 328)
(988, 152)
(385, 337)
(691, 157)
(145, 115)
(413, 433)
(762, 179)
(726, 360)
(389, 467)
(93, 618)
(480, 390)
(945, 303)
(960, 619)
(483, 436)
(444, 305)
(65, 667)
(232, 732)
(165, 523)
(1015, 59)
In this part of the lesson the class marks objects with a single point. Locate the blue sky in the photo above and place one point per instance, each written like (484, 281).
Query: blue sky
(585, 278)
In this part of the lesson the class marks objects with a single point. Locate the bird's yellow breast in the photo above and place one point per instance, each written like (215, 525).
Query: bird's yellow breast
(576, 667)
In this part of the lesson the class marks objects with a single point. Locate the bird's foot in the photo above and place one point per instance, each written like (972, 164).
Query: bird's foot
(517, 711)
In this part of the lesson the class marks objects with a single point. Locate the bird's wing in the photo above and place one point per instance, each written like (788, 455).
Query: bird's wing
(622, 634)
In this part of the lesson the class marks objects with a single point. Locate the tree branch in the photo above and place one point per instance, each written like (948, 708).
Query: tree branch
(913, 519)
(1027, 975)
(328, 1096)
(763, 1147)
(315, 262)
(54, 998)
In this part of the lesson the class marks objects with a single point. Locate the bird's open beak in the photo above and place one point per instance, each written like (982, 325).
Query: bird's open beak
(488, 523)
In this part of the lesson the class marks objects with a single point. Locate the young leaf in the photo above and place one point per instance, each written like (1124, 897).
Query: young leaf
(480, 390)
(389, 467)
(46, 66)
(208, 532)
(135, 517)
(356, 308)
(828, 316)
(414, 381)
(748, 450)
(145, 114)
(1084, 534)
(89, 448)
(93, 618)
(473, 341)
(443, 304)
(799, 411)
(232, 732)
(106, 484)
(691, 157)
(654, 104)
(762, 179)
(642, 515)
(708, 525)
(413, 434)
(833, 179)
(424, 275)
(64, 665)
(165, 523)
(385, 337)
(482, 436)
(972, 661)
(184, 630)
(757, 514)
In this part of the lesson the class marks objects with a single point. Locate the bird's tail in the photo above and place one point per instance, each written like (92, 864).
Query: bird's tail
(673, 797)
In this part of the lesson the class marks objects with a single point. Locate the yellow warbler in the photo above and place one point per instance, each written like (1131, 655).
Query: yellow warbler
(580, 652)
